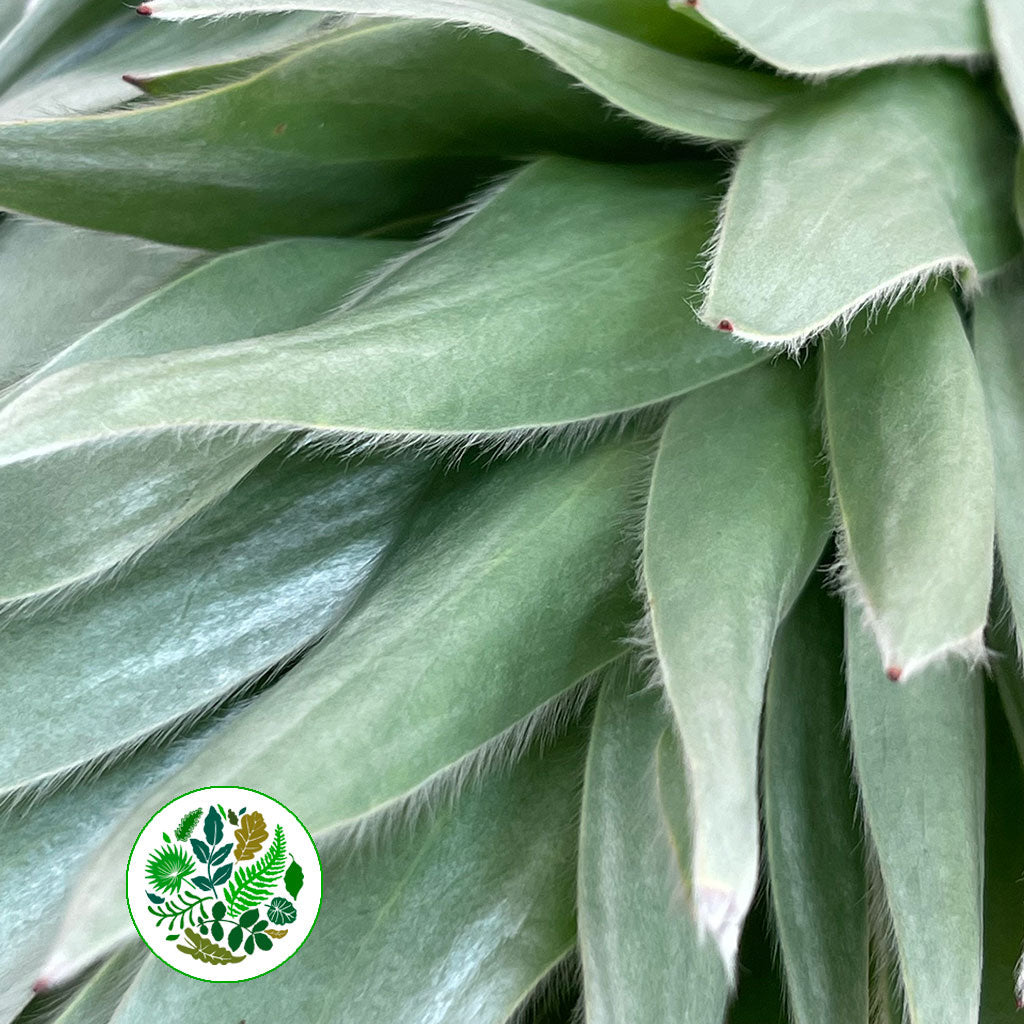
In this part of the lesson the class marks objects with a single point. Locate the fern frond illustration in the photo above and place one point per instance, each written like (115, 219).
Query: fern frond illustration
(187, 825)
(168, 867)
(254, 883)
(174, 912)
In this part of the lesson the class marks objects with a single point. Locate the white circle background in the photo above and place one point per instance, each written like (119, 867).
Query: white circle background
(297, 843)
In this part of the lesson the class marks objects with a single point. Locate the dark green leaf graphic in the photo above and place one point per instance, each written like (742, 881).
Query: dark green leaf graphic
(249, 918)
(188, 824)
(174, 912)
(217, 931)
(221, 854)
(201, 850)
(254, 883)
(221, 875)
(263, 940)
(235, 937)
(250, 945)
(219, 910)
(201, 883)
(293, 879)
(259, 926)
(232, 817)
(153, 898)
(207, 950)
(281, 911)
(166, 868)
(213, 827)
(171, 938)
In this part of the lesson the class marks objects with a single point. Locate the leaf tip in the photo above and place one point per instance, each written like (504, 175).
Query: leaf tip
(144, 9)
(41, 984)
(718, 914)
(725, 325)
(894, 672)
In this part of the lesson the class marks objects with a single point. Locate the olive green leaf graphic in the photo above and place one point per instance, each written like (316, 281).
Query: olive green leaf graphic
(293, 878)
(254, 883)
(187, 825)
(281, 911)
(232, 817)
(207, 950)
(277, 933)
(251, 836)
(168, 867)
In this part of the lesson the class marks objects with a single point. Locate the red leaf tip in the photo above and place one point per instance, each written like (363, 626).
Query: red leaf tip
(725, 325)
(691, 3)
(144, 9)
(40, 985)
(894, 673)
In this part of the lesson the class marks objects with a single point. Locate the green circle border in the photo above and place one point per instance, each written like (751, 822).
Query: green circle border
(226, 981)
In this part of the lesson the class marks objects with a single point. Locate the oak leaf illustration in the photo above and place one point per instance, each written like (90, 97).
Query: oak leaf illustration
(207, 950)
(251, 835)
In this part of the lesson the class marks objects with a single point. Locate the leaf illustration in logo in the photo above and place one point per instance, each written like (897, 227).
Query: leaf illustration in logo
(153, 898)
(281, 911)
(251, 836)
(222, 853)
(262, 940)
(277, 933)
(201, 850)
(166, 868)
(222, 874)
(248, 919)
(293, 878)
(187, 825)
(207, 950)
(213, 826)
(250, 945)
(201, 882)
(232, 817)
(255, 882)
(235, 937)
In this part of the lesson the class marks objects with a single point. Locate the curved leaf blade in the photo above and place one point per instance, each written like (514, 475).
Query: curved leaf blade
(464, 915)
(634, 918)
(1000, 366)
(76, 513)
(728, 543)
(519, 576)
(233, 593)
(328, 140)
(919, 753)
(817, 877)
(911, 463)
(832, 36)
(812, 229)
(445, 344)
(692, 98)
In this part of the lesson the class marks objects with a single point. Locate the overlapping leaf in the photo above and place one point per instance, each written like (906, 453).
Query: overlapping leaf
(816, 871)
(512, 587)
(919, 752)
(524, 316)
(856, 191)
(634, 884)
(1000, 358)
(55, 281)
(337, 137)
(911, 463)
(736, 520)
(1006, 26)
(236, 591)
(78, 511)
(87, 72)
(831, 36)
(72, 824)
(698, 99)
(463, 916)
